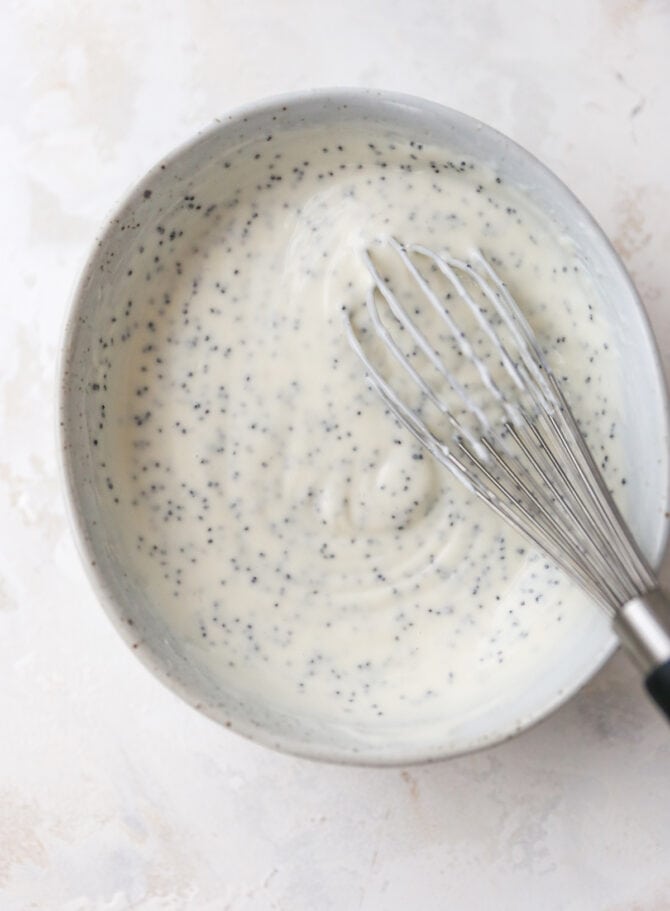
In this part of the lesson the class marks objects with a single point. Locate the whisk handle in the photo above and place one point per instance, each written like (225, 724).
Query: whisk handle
(658, 687)
(643, 627)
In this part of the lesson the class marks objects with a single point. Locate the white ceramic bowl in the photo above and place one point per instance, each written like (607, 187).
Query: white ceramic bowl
(127, 605)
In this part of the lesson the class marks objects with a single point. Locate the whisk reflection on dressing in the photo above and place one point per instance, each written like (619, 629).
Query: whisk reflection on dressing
(513, 441)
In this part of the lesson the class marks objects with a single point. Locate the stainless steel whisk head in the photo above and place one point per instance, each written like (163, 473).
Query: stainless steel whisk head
(526, 456)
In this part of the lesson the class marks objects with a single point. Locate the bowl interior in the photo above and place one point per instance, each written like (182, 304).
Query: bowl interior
(127, 603)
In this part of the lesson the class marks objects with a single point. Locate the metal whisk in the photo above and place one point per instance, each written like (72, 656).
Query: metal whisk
(531, 463)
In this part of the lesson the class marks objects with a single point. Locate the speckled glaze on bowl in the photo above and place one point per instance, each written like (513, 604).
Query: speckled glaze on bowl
(127, 605)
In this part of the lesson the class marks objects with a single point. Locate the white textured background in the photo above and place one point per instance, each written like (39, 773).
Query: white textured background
(115, 796)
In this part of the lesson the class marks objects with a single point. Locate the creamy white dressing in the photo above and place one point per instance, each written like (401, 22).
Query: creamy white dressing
(301, 543)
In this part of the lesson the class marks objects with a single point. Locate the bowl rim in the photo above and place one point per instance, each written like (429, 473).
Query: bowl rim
(103, 589)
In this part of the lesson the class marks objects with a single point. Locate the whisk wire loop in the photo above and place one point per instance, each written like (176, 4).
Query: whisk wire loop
(533, 467)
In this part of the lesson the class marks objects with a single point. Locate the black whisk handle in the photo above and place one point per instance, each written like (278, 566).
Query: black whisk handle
(658, 687)
(643, 627)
